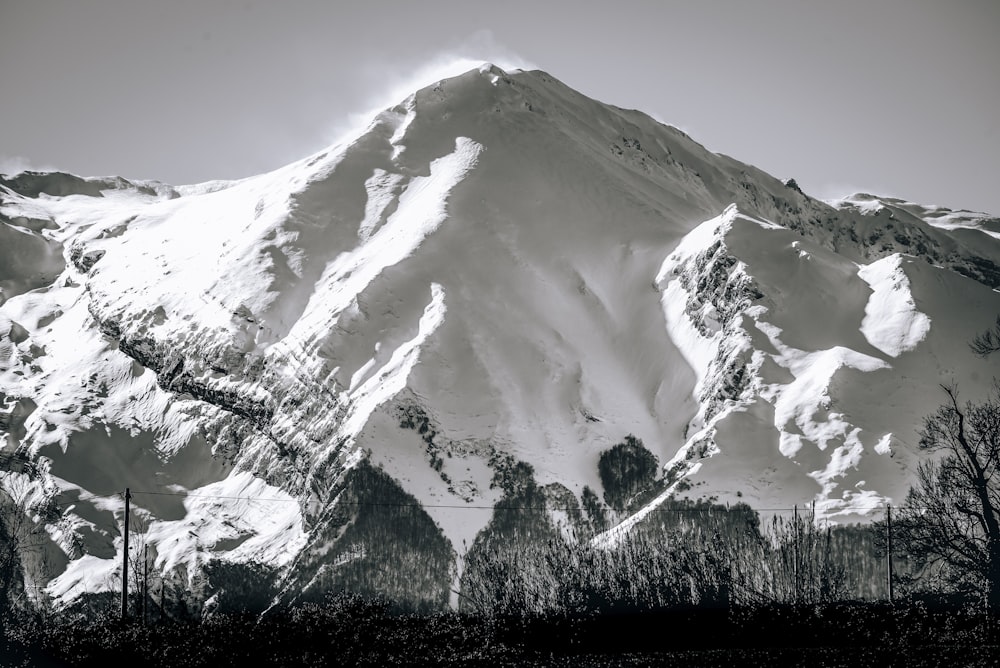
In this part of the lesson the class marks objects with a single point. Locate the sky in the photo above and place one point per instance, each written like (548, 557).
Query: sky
(892, 97)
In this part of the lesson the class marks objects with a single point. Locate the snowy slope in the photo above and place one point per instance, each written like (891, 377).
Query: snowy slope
(829, 362)
(936, 216)
(498, 269)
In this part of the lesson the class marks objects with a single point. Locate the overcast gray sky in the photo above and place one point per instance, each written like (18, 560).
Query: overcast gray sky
(896, 97)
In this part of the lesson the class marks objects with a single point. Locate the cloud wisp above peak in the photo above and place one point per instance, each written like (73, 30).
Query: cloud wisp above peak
(394, 81)
(11, 165)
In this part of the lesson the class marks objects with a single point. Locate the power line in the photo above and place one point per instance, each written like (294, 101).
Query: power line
(738, 508)
(213, 496)
(718, 509)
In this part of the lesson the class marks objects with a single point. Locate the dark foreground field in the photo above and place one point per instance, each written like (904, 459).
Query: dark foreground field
(350, 631)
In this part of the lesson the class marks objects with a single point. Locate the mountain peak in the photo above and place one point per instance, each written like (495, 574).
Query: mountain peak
(481, 292)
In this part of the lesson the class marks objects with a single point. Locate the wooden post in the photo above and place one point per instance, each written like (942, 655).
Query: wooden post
(128, 497)
(888, 548)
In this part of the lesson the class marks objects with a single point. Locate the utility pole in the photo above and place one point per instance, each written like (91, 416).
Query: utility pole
(888, 548)
(795, 555)
(128, 497)
(145, 581)
(811, 553)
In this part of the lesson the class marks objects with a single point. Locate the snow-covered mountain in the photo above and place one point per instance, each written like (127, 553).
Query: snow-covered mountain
(496, 272)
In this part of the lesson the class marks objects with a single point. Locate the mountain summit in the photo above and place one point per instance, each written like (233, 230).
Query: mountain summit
(491, 285)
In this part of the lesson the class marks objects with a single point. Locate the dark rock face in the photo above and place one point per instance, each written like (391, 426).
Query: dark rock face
(171, 375)
(61, 184)
(791, 183)
(84, 262)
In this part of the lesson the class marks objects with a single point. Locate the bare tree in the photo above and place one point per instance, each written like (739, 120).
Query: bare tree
(987, 342)
(137, 567)
(20, 534)
(951, 521)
